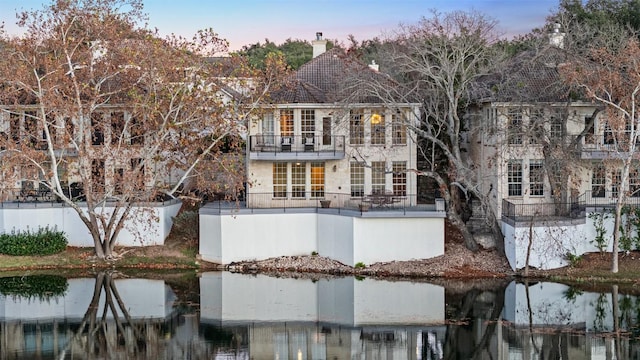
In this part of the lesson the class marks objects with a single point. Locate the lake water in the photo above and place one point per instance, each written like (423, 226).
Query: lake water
(221, 315)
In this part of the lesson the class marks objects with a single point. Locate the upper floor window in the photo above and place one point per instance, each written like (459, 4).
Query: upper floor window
(308, 123)
(356, 127)
(590, 130)
(399, 129)
(286, 122)
(598, 180)
(136, 131)
(556, 125)
(377, 127)
(117, 127)
(97, 129)
(536, 125)
(634, 180)
(514, 126)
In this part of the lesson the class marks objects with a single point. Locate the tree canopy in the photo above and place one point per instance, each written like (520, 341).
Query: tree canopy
(97, 109)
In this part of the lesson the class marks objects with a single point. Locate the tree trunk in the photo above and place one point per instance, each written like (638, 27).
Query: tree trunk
(529, 246)
(456, 220)
(616, 240)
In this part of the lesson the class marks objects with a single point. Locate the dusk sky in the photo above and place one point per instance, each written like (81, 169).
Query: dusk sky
(244, 22)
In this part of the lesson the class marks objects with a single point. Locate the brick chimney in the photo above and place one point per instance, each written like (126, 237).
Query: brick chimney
(319, 45)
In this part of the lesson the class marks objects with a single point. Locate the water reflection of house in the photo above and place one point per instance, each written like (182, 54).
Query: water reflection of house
(48, 327)
(325, 319)
(330, 169)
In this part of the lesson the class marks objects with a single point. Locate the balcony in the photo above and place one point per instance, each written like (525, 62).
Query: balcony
(296, 147)
(576, 208)
(604, 146)
(330, 202)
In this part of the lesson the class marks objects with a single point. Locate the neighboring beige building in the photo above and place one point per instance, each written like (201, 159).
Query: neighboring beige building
(548, 161)
(324, 138)
(535, 145)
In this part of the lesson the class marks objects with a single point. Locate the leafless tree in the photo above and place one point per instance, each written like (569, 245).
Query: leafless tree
(611, 77)
(95, 108)
(435, 63)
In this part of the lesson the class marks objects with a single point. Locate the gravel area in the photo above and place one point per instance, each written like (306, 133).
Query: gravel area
(457, 262)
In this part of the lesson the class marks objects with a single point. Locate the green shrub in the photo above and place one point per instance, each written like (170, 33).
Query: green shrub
(186, 226)
(45, 241)
(573, 259)
(600, 241)
(360, 265)
(35, 286)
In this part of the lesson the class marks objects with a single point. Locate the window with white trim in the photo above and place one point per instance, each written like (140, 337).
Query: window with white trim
(399, 178)
(634, 181)
(556, 125)
(279, 180)
(377, 121)
(616, 181)
(268, 129)
(378, 183)
(357, 179)
(514, 177)
(298, 180)
(286, 122)
(536, 178)
(598, 181)
(317, 179)
(308, 123)
(399, 129)
(356, 127)
(514, 126)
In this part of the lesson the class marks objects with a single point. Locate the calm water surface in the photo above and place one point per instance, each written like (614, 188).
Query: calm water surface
(221, 315)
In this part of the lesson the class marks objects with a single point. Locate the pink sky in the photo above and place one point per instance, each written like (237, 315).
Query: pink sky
(245, 22)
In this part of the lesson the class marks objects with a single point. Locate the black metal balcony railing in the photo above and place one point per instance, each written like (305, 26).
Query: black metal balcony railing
(573, 209)
(296, 143)
(525, 211)
(31, 194)
(338, 201)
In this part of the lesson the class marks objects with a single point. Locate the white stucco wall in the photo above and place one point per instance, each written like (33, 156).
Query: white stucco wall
(231, 238)
(387, 239)
(348, 238)
(552, 241)
(335, 237)
(147, 227)
(227, 297)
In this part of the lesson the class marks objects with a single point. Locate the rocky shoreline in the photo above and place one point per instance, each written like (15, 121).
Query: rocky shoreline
(457, 262)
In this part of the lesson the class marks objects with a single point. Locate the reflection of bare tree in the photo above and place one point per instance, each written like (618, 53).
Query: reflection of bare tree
(107, 329)
(461, 341)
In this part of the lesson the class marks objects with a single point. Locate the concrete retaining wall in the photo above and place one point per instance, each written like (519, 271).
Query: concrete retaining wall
(149, 225)
(349, 237)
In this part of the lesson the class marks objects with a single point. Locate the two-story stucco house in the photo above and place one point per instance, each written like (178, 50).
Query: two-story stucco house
(546, 158)
(330, 169)
(323, 138)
